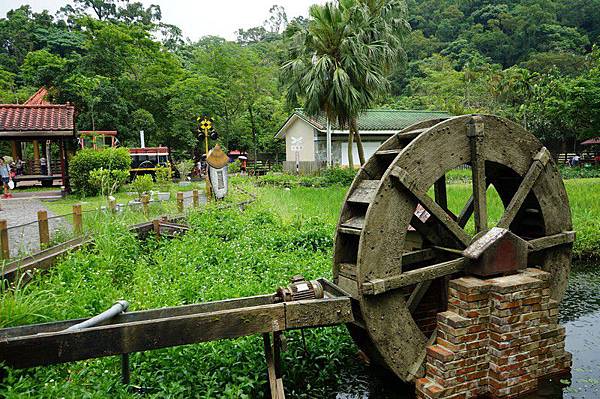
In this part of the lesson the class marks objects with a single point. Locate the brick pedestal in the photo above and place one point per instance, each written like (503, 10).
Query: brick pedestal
(498, 337)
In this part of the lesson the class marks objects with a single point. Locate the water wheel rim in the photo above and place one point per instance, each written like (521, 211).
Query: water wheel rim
(395, 336)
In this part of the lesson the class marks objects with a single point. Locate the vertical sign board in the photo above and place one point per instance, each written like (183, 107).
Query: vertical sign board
(296, 147)
(217, 171)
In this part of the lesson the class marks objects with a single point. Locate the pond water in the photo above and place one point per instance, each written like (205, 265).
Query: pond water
(579, 313)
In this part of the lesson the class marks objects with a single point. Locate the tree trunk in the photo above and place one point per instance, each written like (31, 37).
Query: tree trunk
(350, 144)
(359, 146)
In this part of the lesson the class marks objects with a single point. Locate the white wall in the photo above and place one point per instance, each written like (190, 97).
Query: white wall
(369, 147)
(299, 133)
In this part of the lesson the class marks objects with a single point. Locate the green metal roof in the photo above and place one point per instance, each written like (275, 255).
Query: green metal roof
(379, 119)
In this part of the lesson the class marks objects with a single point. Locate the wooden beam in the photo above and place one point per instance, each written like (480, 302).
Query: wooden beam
(539, 244)
(440, 194)
(476, 133)
(379, 286)
(537, 166)
(49, 343)
(431, 206)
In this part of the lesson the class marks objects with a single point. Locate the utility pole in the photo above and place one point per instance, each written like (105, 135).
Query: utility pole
(253, 137)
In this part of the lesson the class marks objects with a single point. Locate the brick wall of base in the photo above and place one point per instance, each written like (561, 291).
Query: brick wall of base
(497, 338)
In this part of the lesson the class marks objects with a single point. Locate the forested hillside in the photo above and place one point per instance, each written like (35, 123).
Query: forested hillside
(123, 68)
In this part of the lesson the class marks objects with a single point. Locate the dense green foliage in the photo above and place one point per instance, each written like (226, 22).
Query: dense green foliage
(328, 177)
(85, 161)
(125, 69)
(229, 254)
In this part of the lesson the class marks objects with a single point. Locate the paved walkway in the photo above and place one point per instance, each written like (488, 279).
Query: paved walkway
(19, 211)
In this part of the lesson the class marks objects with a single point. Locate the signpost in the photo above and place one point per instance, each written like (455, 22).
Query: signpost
(204, 127)
(296, 147)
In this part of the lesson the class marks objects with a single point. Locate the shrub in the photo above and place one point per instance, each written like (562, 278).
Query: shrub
(235, 166)
(164, 177)
(142, 184)
(87, 160)
(185, 168)
(338, 176)
(107, 181)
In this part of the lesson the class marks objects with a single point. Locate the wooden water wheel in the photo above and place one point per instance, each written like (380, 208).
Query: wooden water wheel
(398, 243)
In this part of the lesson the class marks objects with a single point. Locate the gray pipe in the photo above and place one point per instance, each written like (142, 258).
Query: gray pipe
(116, 309)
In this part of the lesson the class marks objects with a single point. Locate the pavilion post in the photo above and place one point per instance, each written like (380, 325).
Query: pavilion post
(63, 166)
(36, 157)
(13, 146)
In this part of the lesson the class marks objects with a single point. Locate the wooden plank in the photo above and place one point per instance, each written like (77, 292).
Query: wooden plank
(318, 312)
(4, 239)
(539, 244)
(421, 255)
(356, 222)
(42, 260)
(142, 315)
(348, 285)
(270, 365)
(475, 132)
(364, 192)
(379, 286)
(432, 207)
(114, 339)
(417, 294)
(537, 166)
(411, 134)
(394, 151)
(346, 230)
(348, 270)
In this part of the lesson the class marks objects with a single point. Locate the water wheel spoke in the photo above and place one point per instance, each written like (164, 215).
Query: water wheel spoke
(537, 166)
(466, 212)
(440, 194)
(417, 295)
(542, 243)
(475, 133)
(432, 207)
(382, 285)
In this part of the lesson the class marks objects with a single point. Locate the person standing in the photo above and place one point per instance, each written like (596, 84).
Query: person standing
(43, 166)
(5, 176)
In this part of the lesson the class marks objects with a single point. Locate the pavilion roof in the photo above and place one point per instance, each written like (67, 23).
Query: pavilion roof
(38, 98)
(42, 120)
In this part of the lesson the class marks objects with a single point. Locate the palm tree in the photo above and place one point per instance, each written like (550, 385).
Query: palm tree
(340, 62)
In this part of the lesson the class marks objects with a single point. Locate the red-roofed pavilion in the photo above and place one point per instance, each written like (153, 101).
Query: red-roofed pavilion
(39, 121)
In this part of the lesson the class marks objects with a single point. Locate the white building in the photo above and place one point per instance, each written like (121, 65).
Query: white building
(306, 137)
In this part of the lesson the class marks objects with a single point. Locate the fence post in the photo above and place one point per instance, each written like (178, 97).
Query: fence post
(156, 227)
(180, 202)
(112, 205)
(4, 239)
(77, 219)
(43, 228)
(145, 201)
(195, 198)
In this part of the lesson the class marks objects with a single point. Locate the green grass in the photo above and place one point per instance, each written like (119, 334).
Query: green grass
(228, 254)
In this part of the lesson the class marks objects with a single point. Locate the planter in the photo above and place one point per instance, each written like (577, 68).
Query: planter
(163, 196)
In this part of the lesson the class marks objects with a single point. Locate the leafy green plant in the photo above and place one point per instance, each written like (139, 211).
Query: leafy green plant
(235, 166)
(185, 168)
(106, 181)
(87, 160)
(142, 184)
(164, 178)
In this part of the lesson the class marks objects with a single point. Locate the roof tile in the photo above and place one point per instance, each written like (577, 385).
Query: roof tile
(20, 118)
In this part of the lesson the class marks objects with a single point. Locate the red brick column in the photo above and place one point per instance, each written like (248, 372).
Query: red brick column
(497, 338)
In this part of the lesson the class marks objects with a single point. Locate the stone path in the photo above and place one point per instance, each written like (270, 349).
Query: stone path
(25, 240)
